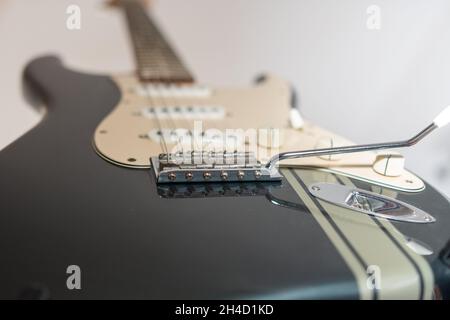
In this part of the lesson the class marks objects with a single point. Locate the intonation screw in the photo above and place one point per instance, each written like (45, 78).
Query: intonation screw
(172, 176)
(189, 175)
(240, 175)
(207, 175)
(224, 175)
(257, 174)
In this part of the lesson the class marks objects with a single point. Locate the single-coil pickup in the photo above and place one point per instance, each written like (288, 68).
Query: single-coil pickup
(184, 112)
(209, 139)
(161, 90)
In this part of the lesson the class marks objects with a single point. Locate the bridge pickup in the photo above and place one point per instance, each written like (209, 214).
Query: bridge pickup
(170, 90)
(211, 167)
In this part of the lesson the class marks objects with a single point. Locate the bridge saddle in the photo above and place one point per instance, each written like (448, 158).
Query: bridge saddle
(211, 166)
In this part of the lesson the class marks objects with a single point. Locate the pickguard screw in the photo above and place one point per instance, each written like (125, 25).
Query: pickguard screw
(172, 176)
(315, 188)
(257, 174)
(241, 175)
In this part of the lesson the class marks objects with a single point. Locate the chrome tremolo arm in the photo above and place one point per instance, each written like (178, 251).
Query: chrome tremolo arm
(349, 149)
(244, 167)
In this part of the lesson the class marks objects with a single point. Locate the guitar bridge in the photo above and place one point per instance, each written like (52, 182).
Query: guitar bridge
(211, 167)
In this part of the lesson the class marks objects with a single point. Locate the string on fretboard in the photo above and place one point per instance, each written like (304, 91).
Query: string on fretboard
(156, 60)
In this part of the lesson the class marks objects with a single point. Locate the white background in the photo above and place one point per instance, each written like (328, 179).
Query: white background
(368, 85)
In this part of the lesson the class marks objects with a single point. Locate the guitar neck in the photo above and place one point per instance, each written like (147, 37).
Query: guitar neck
(156, 60)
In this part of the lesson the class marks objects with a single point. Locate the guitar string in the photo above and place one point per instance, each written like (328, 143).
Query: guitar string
(170, 89)
(171, 107)
(160, 121)
(165, 93)
(162, 89)
(183, 111)
(168, 114)
(153, 106)
(177, 109)
(171, 98)
(158, 89)
(191, 126)
(134, 34)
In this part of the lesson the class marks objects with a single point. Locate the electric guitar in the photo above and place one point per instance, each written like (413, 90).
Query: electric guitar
(155, 186)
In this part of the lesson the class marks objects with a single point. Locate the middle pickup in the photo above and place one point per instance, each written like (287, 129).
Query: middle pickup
(200, 112)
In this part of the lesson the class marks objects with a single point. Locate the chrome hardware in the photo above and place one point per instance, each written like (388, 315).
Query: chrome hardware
(236, 164)
(418, 246)
(207, 175)
(211, 167)
(440, 121)
(350, 149)
(216, 189)
(224, 175)
(369, 203)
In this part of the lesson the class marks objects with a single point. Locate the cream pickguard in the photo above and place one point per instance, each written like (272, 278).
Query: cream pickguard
(131, 134)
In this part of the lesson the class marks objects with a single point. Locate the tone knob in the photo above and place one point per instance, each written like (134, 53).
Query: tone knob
(296, 119)
(389, 164)
(328, 142)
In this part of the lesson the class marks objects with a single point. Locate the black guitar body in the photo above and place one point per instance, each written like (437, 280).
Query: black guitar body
(61, 204)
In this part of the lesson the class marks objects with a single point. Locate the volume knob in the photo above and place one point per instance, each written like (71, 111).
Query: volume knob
(389, 164)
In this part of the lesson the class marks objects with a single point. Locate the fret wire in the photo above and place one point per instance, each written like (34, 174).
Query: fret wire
(152, 51)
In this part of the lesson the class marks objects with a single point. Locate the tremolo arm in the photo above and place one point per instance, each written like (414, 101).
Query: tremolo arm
(243, 166)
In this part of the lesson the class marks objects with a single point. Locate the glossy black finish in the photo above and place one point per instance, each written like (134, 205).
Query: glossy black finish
(61, 204)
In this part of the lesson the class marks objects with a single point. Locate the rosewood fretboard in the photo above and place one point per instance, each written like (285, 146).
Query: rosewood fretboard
(156, 60)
